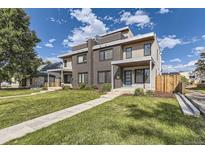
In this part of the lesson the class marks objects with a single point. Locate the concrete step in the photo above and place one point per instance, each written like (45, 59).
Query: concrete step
(190, 105)
(185, 109)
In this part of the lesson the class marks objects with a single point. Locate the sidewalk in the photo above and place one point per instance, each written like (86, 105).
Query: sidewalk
(33, 125)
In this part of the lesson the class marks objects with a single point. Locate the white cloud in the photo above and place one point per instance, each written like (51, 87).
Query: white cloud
(52, 59)
(203, 36)
(179, 67)
(52, 40)
(110, 18)
(59, 21)
(140, 18)
(170, 42)
(38, 46)
(190, 56)
(162, 61)
(163, 11)
(175, 60)
(199, 49)
(91, 26)
(49, 45)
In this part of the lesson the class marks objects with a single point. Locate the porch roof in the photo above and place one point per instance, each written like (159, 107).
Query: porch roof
(60, 69)
(133, 61)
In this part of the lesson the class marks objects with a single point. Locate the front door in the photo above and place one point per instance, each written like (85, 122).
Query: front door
(128, 77)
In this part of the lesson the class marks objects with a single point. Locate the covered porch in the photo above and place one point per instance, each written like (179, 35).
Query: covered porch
(64, 77)
(133, 73)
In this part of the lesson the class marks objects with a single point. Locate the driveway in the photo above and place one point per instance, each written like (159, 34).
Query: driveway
(199, 99)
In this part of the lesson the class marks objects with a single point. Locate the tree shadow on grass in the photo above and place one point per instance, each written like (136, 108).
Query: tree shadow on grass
(168, 115)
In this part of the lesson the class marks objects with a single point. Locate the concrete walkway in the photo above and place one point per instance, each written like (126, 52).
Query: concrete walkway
(33, 125)
(35, 93)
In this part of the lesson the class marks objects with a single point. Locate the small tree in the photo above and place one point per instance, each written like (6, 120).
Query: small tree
(18, 58)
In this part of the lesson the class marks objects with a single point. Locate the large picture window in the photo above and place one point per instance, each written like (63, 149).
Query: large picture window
(105, 55)
(147, 49)
(83, 77)
(128, 52)
(82, 58)
(142, 75)
(104, 77)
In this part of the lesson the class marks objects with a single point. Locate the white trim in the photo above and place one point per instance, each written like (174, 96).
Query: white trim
(115, 31)
(59, 69)
(135, 38)
(73, 52)
(112, 79)
(124, 61)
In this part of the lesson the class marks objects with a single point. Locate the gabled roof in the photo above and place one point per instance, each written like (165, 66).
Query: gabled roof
(44, 68)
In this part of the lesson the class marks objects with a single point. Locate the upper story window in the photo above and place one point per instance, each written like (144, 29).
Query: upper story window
(65, 63)
(128, 52)
(147, 49)
(105, 55)
(82, 58)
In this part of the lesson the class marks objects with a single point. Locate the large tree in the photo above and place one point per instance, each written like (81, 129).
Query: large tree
(18, 57)
(200, 65)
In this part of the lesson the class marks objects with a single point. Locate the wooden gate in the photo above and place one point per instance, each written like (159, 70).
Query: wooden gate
(169, 83)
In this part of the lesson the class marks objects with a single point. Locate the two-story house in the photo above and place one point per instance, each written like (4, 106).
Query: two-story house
(117, 57)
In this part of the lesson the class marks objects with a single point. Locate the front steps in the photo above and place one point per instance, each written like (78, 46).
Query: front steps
(186, 106)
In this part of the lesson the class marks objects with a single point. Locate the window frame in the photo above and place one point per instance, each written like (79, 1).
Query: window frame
(105, 76)
(80, 56)
(85, 73)
(103, 51)
(65, 63)
(150, 49)
(143, 73)
(127, 52)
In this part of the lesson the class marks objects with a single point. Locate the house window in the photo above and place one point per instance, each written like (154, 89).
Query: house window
(147, 49)
(128, 52)
(83, 77)
(65, 63)
(104, 77)
(82, 58)
(105, 55)
(142, 75)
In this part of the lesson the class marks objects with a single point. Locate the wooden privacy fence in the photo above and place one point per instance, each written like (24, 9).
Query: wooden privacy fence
(169, 83)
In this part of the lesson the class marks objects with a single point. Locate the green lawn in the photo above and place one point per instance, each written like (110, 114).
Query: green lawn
(16, 110)
(198, 89)
(11, 92)
(125, 120)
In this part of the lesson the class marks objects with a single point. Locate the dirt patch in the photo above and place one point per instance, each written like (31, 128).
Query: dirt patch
(165, 95)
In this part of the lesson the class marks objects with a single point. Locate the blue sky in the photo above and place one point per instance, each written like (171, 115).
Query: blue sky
(180, 32)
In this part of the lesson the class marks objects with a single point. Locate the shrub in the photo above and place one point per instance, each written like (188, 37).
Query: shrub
(45, 88)
(149, 93)
(106, 87)
(66, 87)
(82, 85)
(139, 92)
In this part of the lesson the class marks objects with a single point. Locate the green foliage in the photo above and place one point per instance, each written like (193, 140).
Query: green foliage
(18, 58)
(200, 65)
(82, 85)
(106, 87)
(149, 93)
(66, 87)
(184, 80)
(139, 92)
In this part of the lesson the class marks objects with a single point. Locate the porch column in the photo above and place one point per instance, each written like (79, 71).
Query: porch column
(150, 70)
(62, 80)
(112, 80)
(48, 80)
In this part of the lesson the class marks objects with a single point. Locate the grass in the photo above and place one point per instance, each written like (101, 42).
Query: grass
(124, 120)
(10, 92)
(17, 110)
(198, 89)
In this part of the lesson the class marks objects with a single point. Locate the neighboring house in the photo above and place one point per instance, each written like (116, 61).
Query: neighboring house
(197, 78)
(42, 77)
(186, 75)
(116, 57)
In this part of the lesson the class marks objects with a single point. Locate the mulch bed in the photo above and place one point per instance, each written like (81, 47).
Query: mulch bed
(161, 94)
